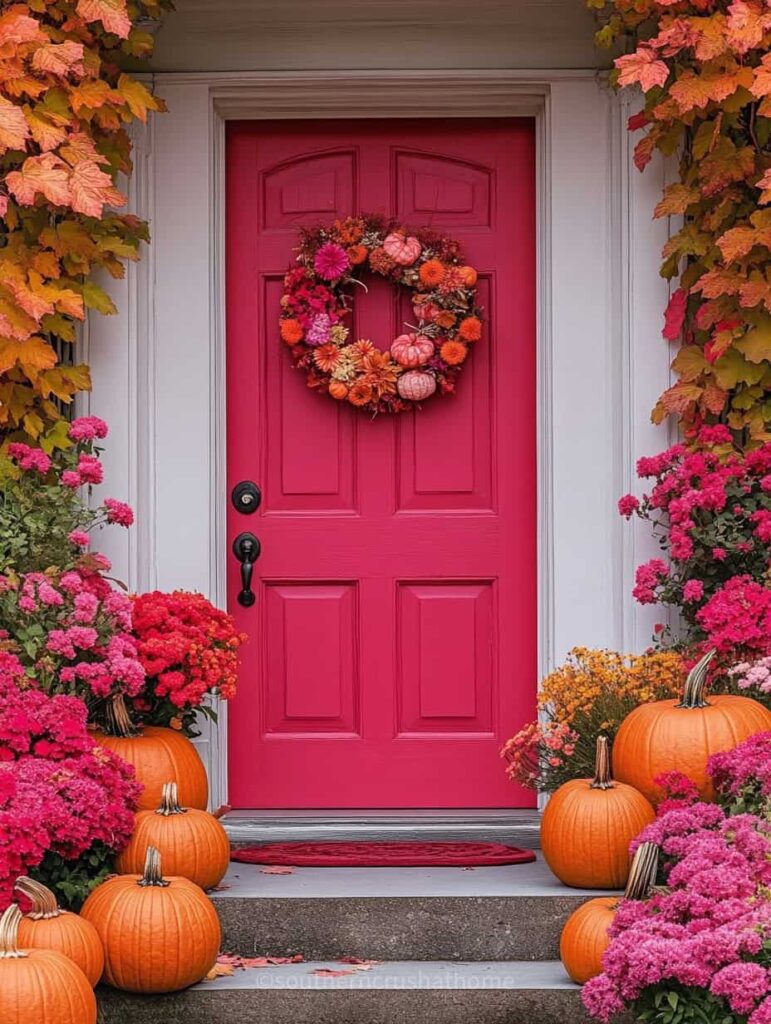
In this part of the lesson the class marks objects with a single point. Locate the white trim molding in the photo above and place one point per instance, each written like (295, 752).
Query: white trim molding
(594, 373)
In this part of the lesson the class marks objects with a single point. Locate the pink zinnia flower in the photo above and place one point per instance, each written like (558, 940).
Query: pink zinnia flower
(331, 261)
(70, 478)
(118, 512)
(628, 505)
(90, 469)
(693, 590)
(79, 538)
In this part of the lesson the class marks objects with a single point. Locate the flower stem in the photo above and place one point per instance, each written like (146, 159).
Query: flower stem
(693, 691)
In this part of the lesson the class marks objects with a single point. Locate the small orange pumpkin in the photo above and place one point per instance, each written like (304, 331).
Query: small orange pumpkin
(40, 984)
(588, 825)
(338, 390)
(192, 843)
(47, 926)
(670, 735)
(585, 936)
(412, 349)
(159, 934)
(403, 251)
(157, 755)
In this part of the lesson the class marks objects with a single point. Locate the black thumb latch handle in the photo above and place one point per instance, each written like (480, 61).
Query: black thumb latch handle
(247, 549)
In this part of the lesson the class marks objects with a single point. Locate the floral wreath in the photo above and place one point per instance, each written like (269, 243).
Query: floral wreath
(317, 299)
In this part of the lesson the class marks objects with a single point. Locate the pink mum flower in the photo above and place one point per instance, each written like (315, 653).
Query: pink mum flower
(628, 505)
(89, 469)
(118, 512)
(86, 428)
(79, 538)
(71, 479)
(693, 590)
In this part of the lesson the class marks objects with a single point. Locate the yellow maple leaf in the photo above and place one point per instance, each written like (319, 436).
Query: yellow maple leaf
(46, 134)
(33, 355)
(138, 98)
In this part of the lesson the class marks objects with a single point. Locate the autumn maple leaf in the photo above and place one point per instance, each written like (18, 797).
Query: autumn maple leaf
(45, 175)
(59, 58)
(674, 315)
(765, 184)
(112, 14)
(18, 27)
(761, 85)
(92, 189)
(747, 23)
(14, 130)
(642, 67)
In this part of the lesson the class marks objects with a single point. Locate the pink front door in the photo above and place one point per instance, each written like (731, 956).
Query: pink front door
(393, 641)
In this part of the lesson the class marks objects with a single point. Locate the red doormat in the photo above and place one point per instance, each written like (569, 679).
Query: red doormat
(382, 855)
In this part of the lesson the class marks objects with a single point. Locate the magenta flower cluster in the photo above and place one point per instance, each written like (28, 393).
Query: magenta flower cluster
(710, 508)
(60, 794)
(705, 932)
(742, 776)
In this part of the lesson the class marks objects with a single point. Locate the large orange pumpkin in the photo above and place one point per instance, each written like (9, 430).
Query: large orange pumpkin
(157, 755)
(671, 735)
(40, 985)
(585, 936)
(159, 934)
(588, 825)
(192, 843)
(47, 926)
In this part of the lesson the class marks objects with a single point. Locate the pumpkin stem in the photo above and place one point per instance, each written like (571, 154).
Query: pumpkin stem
(642, 874)
(152, 875)
(117, 719)
(170, 801)
(9, 934)
(693, 691)
(602, 777)
(44, 905)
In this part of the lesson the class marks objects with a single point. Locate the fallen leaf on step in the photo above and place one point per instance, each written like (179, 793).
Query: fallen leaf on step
(327, 972)
(222, 811)
(219, 971)
(276, 869)
(227, 963)
(218, 888)
(363, 965)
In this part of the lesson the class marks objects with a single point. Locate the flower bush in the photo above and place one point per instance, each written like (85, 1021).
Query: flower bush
(66, 805)
(700, 948)
(189, 652)
(590, 694)
(742, 776)
(44, 519)
(710, 508)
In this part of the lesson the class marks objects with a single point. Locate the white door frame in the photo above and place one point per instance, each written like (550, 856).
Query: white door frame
(159, 367)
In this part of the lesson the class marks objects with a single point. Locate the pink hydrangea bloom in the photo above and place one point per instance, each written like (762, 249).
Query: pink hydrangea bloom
(628, 505)
(27, 458)
(79, 538)
(90, 469)
(118, 512)
(88, 428)
(693, 590)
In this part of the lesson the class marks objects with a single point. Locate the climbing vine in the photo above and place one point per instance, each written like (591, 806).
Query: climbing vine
(705, 69)
(65, 105)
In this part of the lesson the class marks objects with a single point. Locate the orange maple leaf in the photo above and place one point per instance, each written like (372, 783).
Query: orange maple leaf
(59, 58)
(112, 14)
(710, 35)
(757, 290)
(47, 135)
(692, 91)
(747, 23)
(765, 184)
(92, 189)
(33, 355)
(17, 27)
(642, 67)
(738, 241)
(761, 85)
(14, 130)
(45, 175)
(677, 199)
(719, 281)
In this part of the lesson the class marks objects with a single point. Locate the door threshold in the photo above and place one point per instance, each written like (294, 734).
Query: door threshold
(516, 827)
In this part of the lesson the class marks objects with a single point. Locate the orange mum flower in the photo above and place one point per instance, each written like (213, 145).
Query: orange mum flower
(380, 373)
(349, 231)
(470, 328)
(453, 352)
(380, 261)
(432, 273)
(357, 254)
(361, 349)
(360, 393)
(291, 331)
(326, 357)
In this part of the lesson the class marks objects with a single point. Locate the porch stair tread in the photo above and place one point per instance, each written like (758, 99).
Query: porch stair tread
(481, 992)
(505, 913)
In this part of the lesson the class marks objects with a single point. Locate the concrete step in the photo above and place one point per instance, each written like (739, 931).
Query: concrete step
(514, 912)
(390, 993)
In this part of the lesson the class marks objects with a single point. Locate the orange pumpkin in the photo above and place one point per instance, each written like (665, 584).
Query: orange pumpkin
(588, 825)
(585, 936)
(40, 984)
(159, 934)
(47, 926)
(157, 755)
(192, 843)
(671, 735)
(338, 389)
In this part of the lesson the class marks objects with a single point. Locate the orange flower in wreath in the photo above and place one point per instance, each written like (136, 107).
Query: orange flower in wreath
(360, 393)
(432, 273)
(470, 328)
(357, 254)
(380, 372)
(326, 357)
(291, 331)
(360, 350)
(453, 352)
(350, 231)
(445, 319)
